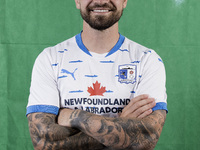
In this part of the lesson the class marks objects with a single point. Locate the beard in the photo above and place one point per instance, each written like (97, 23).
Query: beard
(101, 22)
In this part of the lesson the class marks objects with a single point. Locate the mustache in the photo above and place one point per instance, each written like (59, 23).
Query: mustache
(109, 6)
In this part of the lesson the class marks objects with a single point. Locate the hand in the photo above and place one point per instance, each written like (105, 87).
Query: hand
(139, 107)
(64, 117)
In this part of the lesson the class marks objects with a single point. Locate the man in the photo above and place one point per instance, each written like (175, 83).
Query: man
(111, 90)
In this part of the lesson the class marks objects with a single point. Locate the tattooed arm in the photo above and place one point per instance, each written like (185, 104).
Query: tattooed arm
(120, 133)
(46, 134)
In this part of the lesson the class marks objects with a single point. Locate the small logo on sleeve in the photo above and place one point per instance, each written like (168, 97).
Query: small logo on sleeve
(127, 73)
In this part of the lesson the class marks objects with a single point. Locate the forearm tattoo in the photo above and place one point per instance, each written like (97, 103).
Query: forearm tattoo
(47, 135)
(121, 133)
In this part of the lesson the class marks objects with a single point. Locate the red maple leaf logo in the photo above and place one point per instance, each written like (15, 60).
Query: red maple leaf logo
(96, 90)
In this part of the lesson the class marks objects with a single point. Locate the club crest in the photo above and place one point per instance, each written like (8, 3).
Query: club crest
(127, 73)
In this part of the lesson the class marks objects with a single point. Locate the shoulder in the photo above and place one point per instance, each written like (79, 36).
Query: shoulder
(60, 47)
(134, 45)
(55, 52)
(140, 52)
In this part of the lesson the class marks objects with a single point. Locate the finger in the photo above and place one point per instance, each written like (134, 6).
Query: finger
(136, 99)
(64, 116)
(136, 108)
(144, 108)
(146, 113)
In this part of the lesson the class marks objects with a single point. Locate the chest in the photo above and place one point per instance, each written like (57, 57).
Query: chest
(97, 84)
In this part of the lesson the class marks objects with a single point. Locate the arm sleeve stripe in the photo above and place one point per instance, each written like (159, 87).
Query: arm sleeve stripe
(160, 106)
(42, 108)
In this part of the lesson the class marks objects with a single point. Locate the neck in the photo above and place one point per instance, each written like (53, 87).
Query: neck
(100, 41)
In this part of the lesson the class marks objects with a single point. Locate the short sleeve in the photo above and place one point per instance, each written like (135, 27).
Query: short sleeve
(153, 80)
(44, 94)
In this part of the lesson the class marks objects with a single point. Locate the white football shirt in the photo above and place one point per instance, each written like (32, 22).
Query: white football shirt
(69, 76)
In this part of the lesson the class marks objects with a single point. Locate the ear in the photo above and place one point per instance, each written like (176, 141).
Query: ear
(77, 4)
(125, 3)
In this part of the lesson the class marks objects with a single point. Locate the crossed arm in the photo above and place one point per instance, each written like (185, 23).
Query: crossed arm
(82, 130)
(46, 134)
(119, 133)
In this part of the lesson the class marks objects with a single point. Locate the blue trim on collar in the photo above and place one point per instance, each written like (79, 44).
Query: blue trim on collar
(81, 45)
(42, 108)
(117, 46)
(160, 106)
(113, 50)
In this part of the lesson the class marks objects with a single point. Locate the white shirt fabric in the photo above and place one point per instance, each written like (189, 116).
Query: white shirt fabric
(69, 76)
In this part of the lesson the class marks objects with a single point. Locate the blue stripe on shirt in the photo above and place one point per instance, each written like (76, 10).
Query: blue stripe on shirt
(42, 108)
(160, 106)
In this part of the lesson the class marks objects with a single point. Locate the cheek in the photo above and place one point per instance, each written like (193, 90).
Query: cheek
(84, 5)
(118, 4)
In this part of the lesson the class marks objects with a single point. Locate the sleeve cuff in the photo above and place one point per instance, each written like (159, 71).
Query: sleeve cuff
(42, 108)
(160, 106)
